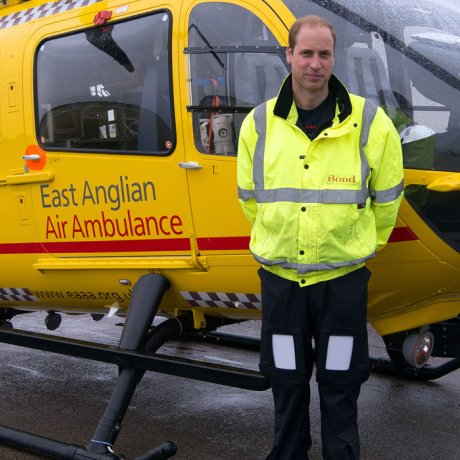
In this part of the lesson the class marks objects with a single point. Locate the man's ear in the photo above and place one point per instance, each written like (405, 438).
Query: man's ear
(289, 55)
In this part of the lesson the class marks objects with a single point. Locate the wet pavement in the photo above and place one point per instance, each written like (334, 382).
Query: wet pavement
(63, 398)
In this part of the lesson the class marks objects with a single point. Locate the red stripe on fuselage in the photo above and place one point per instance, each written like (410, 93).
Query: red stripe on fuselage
(235, 243)
(401, 234)
(72, 247)
(232, 243)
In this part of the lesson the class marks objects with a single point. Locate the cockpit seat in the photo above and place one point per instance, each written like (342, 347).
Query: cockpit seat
(362, 71)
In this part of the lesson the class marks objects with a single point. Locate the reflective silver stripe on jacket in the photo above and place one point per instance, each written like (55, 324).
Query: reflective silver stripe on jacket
(329, 196)
(309, 196)
(260, 121)
(295, 195)
(390, 194)
(245, 195)
(307, 268)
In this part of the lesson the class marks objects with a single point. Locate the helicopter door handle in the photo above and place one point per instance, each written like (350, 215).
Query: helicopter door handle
(190, 165)
(32, 157)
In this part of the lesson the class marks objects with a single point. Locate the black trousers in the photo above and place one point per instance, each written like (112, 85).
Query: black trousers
(333, 313)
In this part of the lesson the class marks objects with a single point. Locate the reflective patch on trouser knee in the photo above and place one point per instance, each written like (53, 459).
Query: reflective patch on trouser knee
(339, 351)
(283, 351)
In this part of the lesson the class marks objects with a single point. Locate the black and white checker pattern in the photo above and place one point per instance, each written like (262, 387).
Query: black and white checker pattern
(222, 299)
(47, 9)
(17, 294)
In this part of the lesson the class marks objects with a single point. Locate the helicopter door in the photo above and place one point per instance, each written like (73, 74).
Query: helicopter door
(234, 63)
(105, 128)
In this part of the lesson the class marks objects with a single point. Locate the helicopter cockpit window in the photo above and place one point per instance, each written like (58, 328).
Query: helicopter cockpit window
(235, 63)
(107, 89)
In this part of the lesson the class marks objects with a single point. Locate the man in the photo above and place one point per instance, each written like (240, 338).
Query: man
(320, 178)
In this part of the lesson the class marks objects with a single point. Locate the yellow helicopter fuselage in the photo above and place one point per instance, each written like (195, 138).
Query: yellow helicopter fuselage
(118, 128)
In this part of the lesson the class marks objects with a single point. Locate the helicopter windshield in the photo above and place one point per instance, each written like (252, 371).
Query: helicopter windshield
(405, 55)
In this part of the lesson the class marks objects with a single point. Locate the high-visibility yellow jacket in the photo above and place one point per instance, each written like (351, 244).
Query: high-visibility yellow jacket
(319, 208)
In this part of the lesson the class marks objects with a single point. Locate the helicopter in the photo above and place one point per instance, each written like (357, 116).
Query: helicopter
(119, 123)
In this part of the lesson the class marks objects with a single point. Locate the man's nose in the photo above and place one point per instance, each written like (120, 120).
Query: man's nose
(315, 62)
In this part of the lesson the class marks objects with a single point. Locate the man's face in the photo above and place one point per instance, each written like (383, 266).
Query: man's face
(312, 60)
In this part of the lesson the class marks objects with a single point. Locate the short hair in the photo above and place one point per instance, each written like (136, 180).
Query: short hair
(311, 20)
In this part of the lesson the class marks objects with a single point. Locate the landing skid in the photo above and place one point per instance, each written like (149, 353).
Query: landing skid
(50, 448)
(134, 355)
(425, 373)
(378, 365)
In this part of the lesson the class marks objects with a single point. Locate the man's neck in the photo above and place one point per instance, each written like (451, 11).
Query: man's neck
(309, 101)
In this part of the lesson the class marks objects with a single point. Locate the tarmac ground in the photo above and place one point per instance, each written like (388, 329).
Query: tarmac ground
(63, 398)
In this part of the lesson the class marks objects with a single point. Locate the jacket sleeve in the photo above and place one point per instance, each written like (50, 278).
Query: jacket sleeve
(387, 175)
(246, 145)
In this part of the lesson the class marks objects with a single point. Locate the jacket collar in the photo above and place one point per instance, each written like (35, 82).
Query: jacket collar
(285, 98)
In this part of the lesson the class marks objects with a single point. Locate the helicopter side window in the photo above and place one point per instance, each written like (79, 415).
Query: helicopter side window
(433, 68)
(235, 63)
(107, 89)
